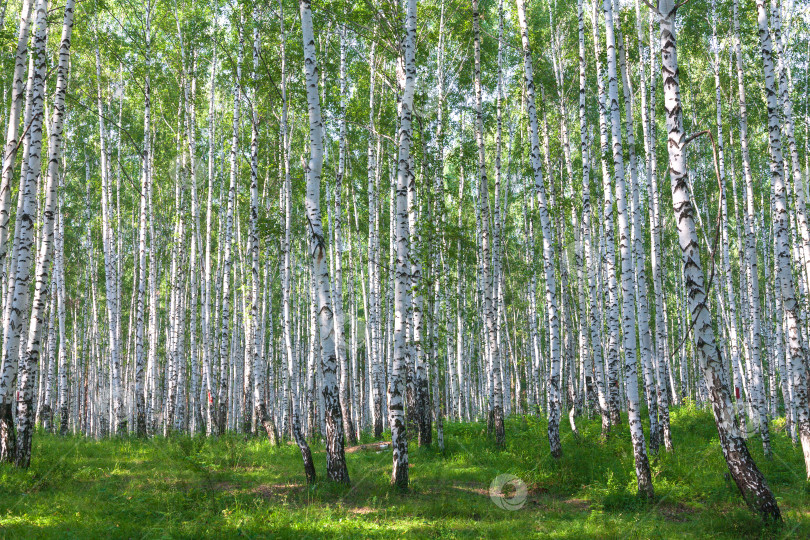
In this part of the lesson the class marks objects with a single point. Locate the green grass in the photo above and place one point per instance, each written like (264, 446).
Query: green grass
(184, 487)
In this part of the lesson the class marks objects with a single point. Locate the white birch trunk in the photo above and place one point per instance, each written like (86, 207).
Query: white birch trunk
(596, 359)
(753, 356)
(489, 309)
(609, 257)
(335, 459)
(781, 233)
(743, 470)
(33, 345)
(548, 240)
(337, 293)
(18, 91)
(17, 299)
(402, 273)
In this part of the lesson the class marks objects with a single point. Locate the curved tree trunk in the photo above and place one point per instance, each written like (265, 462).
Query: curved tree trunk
(744, 471)
(335, 458)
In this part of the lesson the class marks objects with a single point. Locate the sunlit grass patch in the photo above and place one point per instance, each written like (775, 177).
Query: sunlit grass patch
(232, 486)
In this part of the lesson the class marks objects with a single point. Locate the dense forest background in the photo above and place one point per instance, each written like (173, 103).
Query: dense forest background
(332, 220)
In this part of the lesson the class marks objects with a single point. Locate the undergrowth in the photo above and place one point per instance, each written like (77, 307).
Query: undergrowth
(193, 487)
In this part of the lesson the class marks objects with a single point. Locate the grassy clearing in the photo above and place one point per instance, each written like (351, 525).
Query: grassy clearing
(184, 487)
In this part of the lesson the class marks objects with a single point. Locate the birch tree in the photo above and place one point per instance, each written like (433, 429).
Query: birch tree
(396, 402)
(781, 232)
(744, 471)
(12, 133)
(489, 309)
(110, 261)
(335, 461)
(33, 346)
(548, 241)
(628, 288)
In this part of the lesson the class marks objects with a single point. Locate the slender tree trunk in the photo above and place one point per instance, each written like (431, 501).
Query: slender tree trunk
(25, 408)
(335, 458)
(753, 357)
(110, 257)
(489, 313)
(259, 358)
(396, 416)
(374, 357)
(225, 317)
(548, 241)
(609, 259)
(17, 297)
(639, 259)
(596, 358)
(18, 91)
(140, 404)
(438, 212)
(59, 269)
(743, 470)
(781, 233)
(643, 475)
(337, 293)
(208, 317)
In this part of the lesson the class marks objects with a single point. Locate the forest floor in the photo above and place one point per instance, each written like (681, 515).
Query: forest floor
(184, 487)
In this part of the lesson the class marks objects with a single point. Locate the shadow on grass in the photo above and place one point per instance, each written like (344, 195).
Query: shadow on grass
(192, 487)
